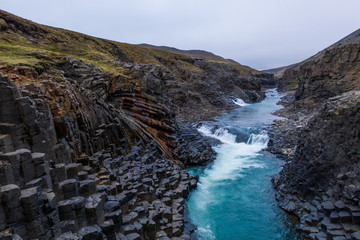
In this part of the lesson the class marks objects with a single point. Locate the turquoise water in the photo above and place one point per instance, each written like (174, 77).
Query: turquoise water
(235, 199)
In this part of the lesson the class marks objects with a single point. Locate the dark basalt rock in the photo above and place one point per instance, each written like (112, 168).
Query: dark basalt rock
(194, 148)
(324, 131)
(96, 196)
(320, 140)
(322, 171)
(90, 233)
(89, 154)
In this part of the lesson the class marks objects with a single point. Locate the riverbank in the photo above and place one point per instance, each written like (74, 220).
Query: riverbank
(326, 210)
(284, 132)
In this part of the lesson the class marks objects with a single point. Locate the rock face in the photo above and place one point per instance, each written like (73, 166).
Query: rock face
(97, 182)
(332, 148)
(320, 183)
(212, 87)
(95, 135)
(329, 73)
(182, 83)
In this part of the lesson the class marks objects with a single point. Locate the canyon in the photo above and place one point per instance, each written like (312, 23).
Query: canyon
(96, 136)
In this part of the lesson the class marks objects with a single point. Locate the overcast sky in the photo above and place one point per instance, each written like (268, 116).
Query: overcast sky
(259, 33)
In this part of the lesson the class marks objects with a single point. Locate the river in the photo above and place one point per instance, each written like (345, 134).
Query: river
(235, 199)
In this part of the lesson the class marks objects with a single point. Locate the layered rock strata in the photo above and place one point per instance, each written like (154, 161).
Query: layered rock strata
(182, 83)
(95, 134)
(84, 186)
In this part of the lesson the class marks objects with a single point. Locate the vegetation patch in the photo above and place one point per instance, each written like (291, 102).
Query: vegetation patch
(24, 43)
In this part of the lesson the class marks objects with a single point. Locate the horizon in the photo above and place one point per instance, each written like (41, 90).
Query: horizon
(279, 34)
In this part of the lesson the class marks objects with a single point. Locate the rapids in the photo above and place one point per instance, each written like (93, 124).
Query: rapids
(235, 199)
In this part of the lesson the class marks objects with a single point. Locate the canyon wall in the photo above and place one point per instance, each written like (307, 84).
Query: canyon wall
(95, 135)
(321, 182)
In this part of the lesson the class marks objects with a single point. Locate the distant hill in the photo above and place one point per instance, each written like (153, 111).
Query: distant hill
(201, 54)
(278, 72)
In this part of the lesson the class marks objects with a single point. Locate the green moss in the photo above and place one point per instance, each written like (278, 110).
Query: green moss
(292, 85)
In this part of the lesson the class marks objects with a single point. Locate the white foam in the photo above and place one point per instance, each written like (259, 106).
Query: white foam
(219, 133)
(240, 102)
(232, 159)
(261, 139)
(205, 233)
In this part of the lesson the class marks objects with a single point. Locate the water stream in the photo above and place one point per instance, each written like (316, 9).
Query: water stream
(235, 199)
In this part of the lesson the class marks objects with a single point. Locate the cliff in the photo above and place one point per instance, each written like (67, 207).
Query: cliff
(95, 134)
(328, 73)
(174, 79)
(320, 182)
(157, 89)
(266, 79)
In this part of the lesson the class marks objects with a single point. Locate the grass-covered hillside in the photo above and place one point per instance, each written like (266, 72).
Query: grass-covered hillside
(27, 44)
(182, 80)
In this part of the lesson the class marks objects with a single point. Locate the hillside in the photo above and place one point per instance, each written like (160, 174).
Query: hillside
(330, 72)
(37, 49)
(201, 54)
(320, 183)
(278, 72)
(95, 134)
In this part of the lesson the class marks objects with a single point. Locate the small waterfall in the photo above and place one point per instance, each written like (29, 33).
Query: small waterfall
(233, 156)
(240, 102)
(218, 133)
(260, 139)
(223, 135)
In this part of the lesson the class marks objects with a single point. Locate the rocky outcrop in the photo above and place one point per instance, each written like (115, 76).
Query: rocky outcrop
(279, 72)
(194, 149)
(319, 182)
(328, 142)
(329, 73)
(95, 135)
(284, 133)
(180, 82)
(73, 167)
(211, 88)
(325, 194)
